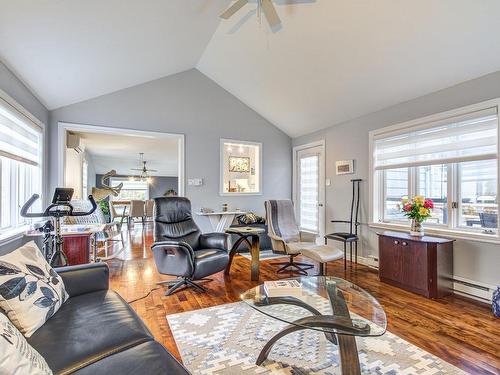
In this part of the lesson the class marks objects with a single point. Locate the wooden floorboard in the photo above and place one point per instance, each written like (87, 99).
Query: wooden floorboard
(460, 331)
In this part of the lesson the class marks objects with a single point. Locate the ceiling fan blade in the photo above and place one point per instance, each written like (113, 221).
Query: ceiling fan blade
(136, 169)
(270, 13)
(233, 9)
(152, 170)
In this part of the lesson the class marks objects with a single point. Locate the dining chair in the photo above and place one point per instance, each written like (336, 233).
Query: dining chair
(150, 204)
(136, 210)
(118, 213)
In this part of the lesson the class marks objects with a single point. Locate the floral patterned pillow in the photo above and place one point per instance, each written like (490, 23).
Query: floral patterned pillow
(17, 357)
(30, 290)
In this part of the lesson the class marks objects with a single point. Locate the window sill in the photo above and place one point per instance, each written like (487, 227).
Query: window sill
(13, 235)
(452, 234)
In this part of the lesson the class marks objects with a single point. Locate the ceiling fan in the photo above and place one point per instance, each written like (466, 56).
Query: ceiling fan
(263, 6)
(144, 170)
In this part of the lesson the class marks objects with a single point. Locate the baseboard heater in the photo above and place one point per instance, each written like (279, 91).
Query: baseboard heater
(472, 289)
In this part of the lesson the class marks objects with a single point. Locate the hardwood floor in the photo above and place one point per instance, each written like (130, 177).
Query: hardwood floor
(460, 331)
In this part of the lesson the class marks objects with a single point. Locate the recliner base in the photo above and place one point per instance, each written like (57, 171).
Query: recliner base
(292, 266)
(175, 284)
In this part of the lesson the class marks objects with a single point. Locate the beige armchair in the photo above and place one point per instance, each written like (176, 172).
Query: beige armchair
(288, 239)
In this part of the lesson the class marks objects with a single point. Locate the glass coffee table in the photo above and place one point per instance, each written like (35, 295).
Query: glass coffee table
(338, 308)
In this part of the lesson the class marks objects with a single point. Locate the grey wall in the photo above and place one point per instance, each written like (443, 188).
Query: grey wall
(158, 186)
(191, 104)
(472, 260)
(20, 93)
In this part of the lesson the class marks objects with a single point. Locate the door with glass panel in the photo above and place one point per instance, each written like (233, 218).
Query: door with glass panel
(309, 189)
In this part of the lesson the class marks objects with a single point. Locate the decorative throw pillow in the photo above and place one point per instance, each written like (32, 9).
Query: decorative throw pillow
(17, 357)
(30, 290)
(248, 218)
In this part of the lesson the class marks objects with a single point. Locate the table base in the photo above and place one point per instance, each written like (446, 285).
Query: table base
(348, 350)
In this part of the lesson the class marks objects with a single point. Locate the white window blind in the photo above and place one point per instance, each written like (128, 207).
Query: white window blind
(463, 138)
(309, 185)
(19, 137)
(20, 166)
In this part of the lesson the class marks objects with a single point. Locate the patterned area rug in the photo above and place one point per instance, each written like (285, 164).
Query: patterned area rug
(227, 339)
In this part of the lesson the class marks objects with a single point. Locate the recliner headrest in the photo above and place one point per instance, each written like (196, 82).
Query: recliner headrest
(172, 209)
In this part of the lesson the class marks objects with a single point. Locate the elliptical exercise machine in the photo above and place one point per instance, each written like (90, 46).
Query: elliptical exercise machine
(51, 229)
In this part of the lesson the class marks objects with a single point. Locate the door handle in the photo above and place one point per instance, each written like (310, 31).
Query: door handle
(320, 204)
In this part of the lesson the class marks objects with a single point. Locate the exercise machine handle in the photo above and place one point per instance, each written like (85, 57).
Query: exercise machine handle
(27, 206)
(48, 211)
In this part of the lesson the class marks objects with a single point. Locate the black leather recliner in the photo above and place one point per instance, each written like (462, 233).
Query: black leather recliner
(181, 250)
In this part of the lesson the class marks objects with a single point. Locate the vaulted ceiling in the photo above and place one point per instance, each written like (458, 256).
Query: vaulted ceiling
(331, 61)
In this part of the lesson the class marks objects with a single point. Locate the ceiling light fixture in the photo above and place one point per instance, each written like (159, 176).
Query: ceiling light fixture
(263, 6)
(144, 170)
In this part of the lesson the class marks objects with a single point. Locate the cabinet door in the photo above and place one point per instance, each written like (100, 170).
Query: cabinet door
(415, 273)
(390, 259)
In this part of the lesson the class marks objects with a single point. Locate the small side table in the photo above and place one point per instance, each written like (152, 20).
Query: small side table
(220, 221)
(250, 236)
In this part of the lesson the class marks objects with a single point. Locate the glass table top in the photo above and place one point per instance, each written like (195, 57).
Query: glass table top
(324, 303)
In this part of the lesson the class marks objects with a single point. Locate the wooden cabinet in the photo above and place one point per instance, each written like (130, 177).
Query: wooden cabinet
(423, 265)
(77, 248)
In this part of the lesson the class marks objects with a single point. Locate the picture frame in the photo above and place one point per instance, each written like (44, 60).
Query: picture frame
(239, 164)
(344, 167)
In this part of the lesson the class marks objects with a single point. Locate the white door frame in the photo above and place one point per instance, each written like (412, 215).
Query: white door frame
(322, 191)
(64, 127)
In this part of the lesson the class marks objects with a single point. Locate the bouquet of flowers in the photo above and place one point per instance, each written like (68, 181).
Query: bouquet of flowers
(418, 208)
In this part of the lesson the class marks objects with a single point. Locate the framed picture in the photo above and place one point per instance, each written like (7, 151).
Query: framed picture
(344, 167)
(239, 164)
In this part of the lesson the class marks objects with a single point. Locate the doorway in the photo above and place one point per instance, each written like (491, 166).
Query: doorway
(309, 187)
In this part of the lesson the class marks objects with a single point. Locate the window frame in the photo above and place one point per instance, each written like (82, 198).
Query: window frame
(453, 227)
(222, 144)
(13, 233)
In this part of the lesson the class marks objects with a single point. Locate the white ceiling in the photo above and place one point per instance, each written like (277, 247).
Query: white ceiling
(335, 60)
(67, 51)
(331, 61)
(121, 153)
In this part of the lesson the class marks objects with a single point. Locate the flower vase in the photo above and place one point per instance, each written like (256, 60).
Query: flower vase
(416, 228)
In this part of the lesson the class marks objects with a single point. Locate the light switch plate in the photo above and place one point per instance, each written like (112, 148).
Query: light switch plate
(195, 181)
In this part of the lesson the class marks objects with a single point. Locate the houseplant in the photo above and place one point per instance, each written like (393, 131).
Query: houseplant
(417, 209)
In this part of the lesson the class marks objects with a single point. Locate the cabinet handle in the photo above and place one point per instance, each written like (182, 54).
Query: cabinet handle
(405, 243)
(396, 242)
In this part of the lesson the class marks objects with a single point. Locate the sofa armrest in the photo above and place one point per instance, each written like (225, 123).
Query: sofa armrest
(84, 278)
(214, 241)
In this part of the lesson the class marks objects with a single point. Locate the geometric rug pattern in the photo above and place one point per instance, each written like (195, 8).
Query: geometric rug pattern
(227, 339)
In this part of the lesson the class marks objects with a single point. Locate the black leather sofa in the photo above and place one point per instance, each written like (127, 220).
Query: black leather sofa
(97, 332)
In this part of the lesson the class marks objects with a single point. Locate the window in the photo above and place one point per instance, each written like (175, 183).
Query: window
(395, 187)
(309, 192)
(451, 158)
(240, 167)
(132, 189)
(20, 166)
